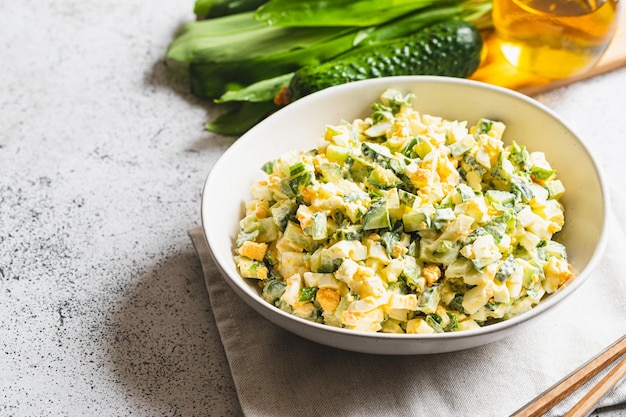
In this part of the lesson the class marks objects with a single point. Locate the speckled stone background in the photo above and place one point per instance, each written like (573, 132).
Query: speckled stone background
(103, 309)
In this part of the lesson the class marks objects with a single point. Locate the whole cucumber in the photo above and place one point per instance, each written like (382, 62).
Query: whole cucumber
(450, 48)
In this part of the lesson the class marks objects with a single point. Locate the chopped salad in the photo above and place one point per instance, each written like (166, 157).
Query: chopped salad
(404, 222)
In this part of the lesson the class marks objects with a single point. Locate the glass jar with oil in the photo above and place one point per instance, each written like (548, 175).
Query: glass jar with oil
(554, 38)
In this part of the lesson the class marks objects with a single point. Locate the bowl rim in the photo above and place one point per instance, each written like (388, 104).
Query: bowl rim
(241, 286)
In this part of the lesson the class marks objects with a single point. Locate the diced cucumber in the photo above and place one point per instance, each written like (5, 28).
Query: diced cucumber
(555, 189)
(295, 238)
(429, 300)
(465, 192)
(482, 126)
(377, 217)
(434, 321)
(442, 216)
(520, 156)
(438, 251)
(503, 198)
(554, 248)
(423, 147)
(273, 289)
(391, 326)
(406, 198)
(331, 172)
(282, 211)
(408, 151)
(298, 179)
(503, 169)
(520, 188)
(268, 230)
(376, 153)
(542, 174)
(349, 232)
(417, 220)
(460, 147)
(319, 229)
(359, 169)
(322, 262)
(335, 153)
(506, 269)
(383, 177)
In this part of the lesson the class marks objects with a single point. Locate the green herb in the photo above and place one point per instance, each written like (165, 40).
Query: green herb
(215, 8)
(245, 53)
(307, 294)
(336, 12)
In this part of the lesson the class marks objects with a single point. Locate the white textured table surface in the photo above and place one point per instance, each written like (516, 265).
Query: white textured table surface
(103, 309)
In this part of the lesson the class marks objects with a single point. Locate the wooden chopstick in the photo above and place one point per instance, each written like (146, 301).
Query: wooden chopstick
(559, 391)
(587, 404)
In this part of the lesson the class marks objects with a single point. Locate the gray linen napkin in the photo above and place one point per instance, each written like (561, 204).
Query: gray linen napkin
(279, 374)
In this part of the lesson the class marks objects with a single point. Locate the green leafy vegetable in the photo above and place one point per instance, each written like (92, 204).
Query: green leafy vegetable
(264, 90)
(336, 12)
(240, 120)
(247, 51)
(307, 294)
(216, 8)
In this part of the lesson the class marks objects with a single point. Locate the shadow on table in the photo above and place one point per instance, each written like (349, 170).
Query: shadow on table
(160, 344)
(173, 76)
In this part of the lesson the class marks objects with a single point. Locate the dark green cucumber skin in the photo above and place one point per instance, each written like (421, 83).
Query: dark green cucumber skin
(451, 48)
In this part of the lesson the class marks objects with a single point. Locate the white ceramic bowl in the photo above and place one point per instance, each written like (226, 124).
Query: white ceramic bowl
(298, 127)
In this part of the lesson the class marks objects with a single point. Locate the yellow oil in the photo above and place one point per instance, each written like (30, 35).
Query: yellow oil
(554, 38)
